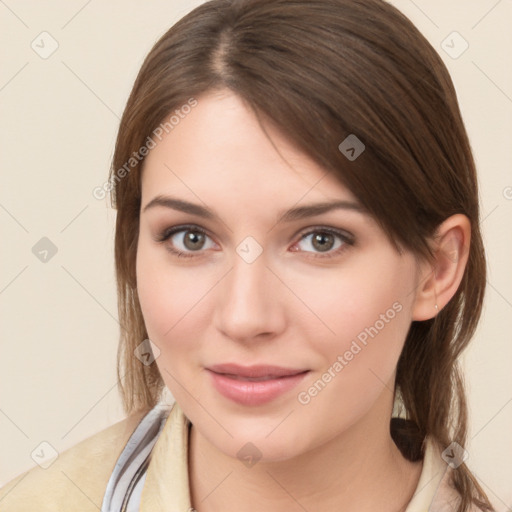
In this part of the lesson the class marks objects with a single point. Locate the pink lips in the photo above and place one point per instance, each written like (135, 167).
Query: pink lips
(254, 385)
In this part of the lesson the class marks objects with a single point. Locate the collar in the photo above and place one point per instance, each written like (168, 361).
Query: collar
(167, 483)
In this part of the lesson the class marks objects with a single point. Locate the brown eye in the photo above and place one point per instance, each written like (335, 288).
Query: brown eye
(323, 242)
(193, 240)
(185, 240)
(329, 241)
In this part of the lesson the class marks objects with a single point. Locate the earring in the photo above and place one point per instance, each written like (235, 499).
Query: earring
(437, 309)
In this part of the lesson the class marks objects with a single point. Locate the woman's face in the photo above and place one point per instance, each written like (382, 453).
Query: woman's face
(322, 295)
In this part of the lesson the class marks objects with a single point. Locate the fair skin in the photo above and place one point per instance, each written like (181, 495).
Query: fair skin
(292, 307)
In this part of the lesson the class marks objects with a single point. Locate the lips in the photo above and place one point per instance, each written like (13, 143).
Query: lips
(256, 373)
(254, 385)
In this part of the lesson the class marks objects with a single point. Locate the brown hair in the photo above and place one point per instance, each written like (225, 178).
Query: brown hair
(320, 71)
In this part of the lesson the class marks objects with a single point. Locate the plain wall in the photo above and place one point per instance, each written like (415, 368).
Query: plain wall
(59, 120)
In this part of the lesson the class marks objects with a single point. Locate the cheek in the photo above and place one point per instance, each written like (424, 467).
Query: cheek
(375, 311)
(365, 314)
(173, 301)
(163, 298)
(357, 362)
(356, 301)
(168, 300)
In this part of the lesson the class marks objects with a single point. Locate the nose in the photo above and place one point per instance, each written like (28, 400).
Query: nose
(250, 306)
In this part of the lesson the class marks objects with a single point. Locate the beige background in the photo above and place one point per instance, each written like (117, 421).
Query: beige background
(59, 120)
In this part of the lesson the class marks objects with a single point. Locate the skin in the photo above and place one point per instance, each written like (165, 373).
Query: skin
(290, 307)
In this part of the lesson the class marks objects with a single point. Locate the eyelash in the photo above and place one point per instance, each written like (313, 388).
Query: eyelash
(346, 238)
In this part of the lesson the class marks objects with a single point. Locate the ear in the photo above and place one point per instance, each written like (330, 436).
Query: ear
(439, 279)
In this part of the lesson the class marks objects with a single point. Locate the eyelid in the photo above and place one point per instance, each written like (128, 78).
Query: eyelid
(342, 233)
(164, 234)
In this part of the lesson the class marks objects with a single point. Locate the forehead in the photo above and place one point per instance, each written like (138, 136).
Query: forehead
(219, 151)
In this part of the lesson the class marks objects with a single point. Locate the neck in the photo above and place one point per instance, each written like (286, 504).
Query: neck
(361, 468)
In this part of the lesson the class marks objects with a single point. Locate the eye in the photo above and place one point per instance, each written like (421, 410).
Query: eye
(326, 242)
(185, 240)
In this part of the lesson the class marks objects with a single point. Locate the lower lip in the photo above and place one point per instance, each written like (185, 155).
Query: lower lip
(247, 392)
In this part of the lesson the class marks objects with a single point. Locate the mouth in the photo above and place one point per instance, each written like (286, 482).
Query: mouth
(255, 379)
(254, 385)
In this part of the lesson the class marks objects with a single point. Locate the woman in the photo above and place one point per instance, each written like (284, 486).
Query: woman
(298, 235)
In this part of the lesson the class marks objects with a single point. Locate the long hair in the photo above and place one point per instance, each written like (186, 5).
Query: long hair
(321, 71)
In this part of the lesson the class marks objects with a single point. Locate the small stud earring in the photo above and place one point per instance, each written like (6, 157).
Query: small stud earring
(437, 309)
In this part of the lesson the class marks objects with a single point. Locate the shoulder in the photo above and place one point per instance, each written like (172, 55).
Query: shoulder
(78, 477)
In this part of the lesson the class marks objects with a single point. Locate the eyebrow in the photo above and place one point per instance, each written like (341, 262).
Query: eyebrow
(297, 213)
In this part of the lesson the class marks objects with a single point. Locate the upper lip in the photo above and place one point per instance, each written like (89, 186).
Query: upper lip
(261, 370)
